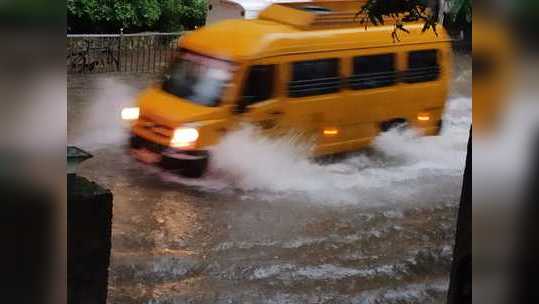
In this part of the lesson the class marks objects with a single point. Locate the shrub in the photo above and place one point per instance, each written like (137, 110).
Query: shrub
(101, 16)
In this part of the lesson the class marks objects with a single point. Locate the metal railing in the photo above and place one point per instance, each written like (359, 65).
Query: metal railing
(131, 53)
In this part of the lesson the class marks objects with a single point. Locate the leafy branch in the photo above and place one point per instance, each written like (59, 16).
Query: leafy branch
(401, 11)
(460, 8)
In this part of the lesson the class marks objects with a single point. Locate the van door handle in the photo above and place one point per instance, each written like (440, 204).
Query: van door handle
(276, 113)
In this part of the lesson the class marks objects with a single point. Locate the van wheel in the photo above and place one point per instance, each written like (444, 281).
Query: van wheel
(397, 123)
(195, 169)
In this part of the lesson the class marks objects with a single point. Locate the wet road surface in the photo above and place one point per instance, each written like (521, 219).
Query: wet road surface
(378, 228)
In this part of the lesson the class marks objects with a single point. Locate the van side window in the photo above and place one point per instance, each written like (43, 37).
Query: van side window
(259, 84)
(422, 66)
(373, 71)
(316, 77)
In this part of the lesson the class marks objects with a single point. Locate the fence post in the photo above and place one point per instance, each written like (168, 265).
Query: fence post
(119, 63)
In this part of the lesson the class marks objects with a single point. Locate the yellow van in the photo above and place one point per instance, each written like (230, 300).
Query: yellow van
(309, 68)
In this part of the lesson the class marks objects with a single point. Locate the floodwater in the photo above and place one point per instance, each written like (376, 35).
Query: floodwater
(269, 225)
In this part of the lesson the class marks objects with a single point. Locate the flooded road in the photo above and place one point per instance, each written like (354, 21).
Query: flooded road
(269, 225)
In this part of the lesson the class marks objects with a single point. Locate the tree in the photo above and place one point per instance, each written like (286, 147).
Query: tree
(186, 14)
(407, 11)
(102, 16)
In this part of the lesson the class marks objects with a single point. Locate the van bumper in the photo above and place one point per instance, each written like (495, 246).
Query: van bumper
(190, 163)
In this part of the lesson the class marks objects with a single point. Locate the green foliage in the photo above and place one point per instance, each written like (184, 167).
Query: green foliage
(194, 13)
(461, 9)
(171, 16)
(186, 14)
(404, 11)
(134, 15)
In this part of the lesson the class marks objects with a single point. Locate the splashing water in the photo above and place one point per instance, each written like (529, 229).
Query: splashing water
(101, 125)
(404, 165)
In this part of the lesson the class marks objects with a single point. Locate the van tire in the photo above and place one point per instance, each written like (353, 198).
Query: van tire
(195, 169)
(397, 123)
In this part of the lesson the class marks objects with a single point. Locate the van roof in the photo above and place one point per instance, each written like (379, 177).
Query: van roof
(277, 32)
(255, 5)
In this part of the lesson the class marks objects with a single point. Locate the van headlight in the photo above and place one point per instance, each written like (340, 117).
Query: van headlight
(130, 113)
(184, 137)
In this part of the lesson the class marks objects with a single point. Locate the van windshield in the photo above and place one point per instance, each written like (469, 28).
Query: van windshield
(197, 78)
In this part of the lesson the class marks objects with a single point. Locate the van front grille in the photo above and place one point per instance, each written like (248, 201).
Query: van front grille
(138, 142)
(154, 127)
